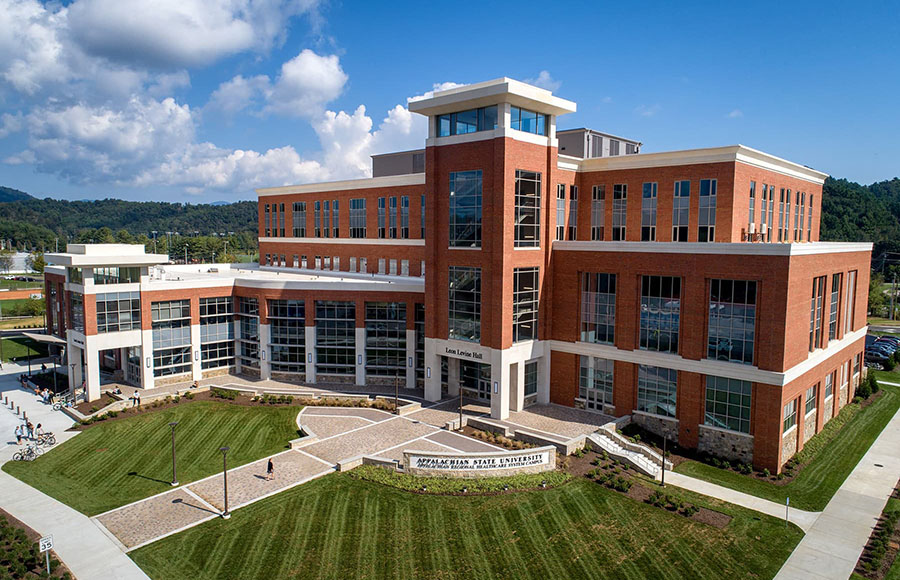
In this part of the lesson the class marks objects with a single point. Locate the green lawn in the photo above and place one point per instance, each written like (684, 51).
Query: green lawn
(119, 462)
(19, 284)
(338, 527)
(20, 347)
(818, 481)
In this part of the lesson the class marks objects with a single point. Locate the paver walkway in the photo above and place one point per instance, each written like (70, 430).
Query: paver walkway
(83, 546)
(835, 541)
(803, 519)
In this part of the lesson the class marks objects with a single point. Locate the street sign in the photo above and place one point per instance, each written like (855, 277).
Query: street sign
(46, 543)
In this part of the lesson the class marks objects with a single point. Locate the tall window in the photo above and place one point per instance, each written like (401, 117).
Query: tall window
(732, 320)
(598, 307)
(317, 218)
(816, 312)
(787, 216)
(598, 208)
(528, 121)
(797, 217)
(118, 311)
(620, 205)
(781, 208)
(771, 221)
(335, 338)
(657, 390)
(728, 404)
(790, 416)
(422, 209)
(752, 219)
(464, 316)
(335, 220)
(248, 317)
(829, 385)
(573, 212)
(850, 302)
(531, 378)
(525, 304)
(116, 275)
(326, 219)
(76, 312)
(382, 231)
(287, 335)
(298, 219)
(76, 275)
(707, 218)
(216, 332)
(392, 217)
(528, 209)
(595, 384)
(420, 341)
(358, 218)
(660, 313)
(267, 220)
(483, 119)
(171, 323)
(281, 219)
(833, 310)
(681, 211)
(561, 212)
(404, 217)
(799, 225)
(809, 220)
(648, 212)
(465, 209)
(386, 339)
(811, 399)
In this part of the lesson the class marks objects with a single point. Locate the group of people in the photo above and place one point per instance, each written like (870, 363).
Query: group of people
(28, 431)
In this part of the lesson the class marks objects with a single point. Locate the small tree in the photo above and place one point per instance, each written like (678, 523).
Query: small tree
(864, 390)
(35, 262)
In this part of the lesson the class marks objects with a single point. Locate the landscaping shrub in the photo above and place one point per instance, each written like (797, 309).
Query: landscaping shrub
(224, 394)
(189, 395)
(864, 390)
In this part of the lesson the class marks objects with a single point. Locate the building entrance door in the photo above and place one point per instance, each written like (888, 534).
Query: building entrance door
(475, 379)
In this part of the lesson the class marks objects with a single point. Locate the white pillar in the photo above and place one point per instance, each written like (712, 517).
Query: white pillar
(147, 381)
(265, 367)
(123, 360)
(237, 345)
(543, 391)
(517, 387)
(410, 359)
(452, 376)
(432, 372)
(74, 359)
(311, 355)
(196, 366)
(92, 368)
(499, 385)
(360, 356)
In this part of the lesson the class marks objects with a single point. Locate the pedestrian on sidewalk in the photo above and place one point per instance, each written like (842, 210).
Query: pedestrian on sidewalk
(270, 470)
(29, 426)
(137, 399)
(19, 433)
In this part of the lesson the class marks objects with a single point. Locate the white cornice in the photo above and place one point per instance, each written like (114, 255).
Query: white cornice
(344, 241)
(346, 185)
(731, 153)
(710, 367)
(718, 248)
(502, 90)
(498, 133)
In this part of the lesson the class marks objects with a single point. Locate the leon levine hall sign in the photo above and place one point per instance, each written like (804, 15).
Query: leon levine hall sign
(480, 464)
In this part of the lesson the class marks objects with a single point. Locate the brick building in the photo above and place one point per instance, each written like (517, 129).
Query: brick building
(687, 289)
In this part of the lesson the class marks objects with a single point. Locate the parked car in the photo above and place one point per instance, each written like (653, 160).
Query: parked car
(880, 351)
(870, 340)
(889, 340)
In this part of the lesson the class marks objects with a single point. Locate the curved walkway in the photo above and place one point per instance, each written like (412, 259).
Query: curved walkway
(83, 546)
(836, 540)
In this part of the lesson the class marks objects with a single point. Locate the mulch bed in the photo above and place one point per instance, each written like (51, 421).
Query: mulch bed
(86, 408)
(869, 565)
(640, 489)
(58, 569)
(486, 437)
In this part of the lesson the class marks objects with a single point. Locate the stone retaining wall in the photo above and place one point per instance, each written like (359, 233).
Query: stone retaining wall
(218, 372)
(809, 425)
(726, 444)
(663, 426)
(483, 464)
(789, 444)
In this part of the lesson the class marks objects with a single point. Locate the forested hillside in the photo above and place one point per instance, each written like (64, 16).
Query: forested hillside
(862, 213)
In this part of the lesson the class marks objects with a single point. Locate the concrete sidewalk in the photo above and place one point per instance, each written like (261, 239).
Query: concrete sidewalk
(77, 540)
(835, 542)
(804, 520)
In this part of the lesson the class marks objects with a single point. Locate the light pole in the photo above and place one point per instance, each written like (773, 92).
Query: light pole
(460, 409)
(663, 482)
(397, 393)
(154, 232)
(173, 424)
(225, 257)
(224, 450)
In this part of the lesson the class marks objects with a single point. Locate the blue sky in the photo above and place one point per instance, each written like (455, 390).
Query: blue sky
(204, 100)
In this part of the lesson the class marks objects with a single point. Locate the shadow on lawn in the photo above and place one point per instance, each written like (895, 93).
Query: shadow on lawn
(136, 474)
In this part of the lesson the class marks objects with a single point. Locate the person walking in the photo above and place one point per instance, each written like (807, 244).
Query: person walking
(137, 399)
(29, 426)
(270, 470)
(19, 433)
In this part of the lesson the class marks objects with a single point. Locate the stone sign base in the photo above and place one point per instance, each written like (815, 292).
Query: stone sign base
(482, 464)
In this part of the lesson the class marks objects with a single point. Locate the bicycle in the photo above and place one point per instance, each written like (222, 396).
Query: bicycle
(46, 439)
(30, 453)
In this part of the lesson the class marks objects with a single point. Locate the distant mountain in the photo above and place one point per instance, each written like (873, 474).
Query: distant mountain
(10, 194)
(220, 203)
(862, 213)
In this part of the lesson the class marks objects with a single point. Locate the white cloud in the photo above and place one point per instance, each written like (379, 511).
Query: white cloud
(736, 113)
(647, 110)
(545, 81)
(306, 84)
(436, 87)
(179, 33)
(31, 46)
(238, 94)
(10, 124)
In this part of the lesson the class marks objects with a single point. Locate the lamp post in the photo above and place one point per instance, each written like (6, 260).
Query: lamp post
(663, 482)
(154, 232)
(397, 393)
(173, 424)
(224, 450)
(460, 409)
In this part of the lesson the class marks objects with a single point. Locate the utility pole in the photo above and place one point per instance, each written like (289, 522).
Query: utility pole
(893, 292)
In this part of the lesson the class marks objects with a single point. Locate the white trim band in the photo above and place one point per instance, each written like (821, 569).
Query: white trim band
(347, 241)
(715, 248)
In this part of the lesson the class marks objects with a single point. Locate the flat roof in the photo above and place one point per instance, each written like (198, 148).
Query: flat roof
(502, 90)
(346, 185)
(88, 255)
